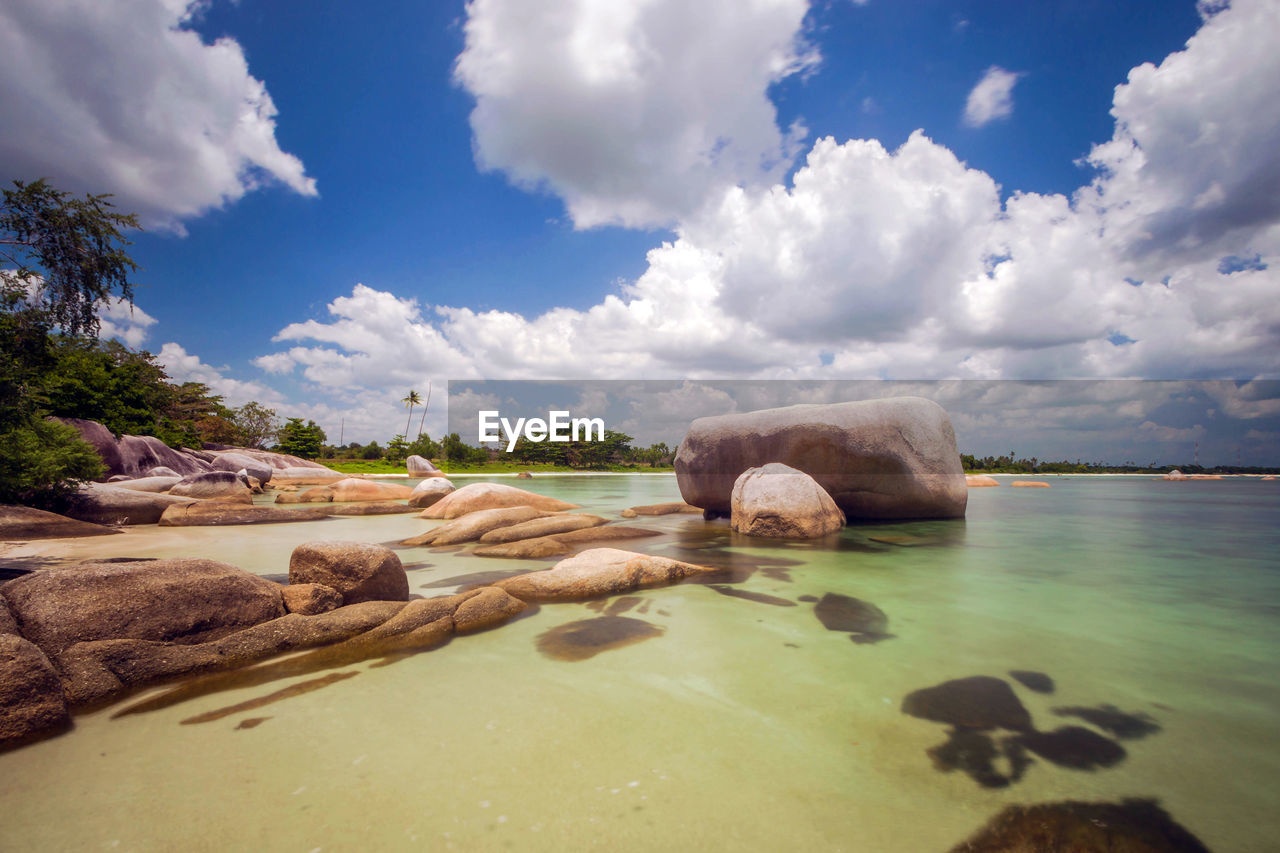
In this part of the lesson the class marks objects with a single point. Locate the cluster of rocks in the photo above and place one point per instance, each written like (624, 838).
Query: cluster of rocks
(83, 635)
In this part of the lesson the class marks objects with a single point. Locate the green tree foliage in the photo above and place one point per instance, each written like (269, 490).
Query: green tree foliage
(458, 453)
(426, 448)
(42, 461)
(575, 454)
(371, 451)
(256, 424)
(397, 449)
(299, 439)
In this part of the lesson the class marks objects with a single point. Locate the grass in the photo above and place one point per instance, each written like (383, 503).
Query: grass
(382, 466)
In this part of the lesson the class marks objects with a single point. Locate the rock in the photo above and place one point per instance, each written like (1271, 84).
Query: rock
(1268, 478)
(32, 704)
(163, 471)
(976, 702)
(479, 496)
(310, 599)
(1032, 484)
(660, 509)
(230, 460)
(7, 623)
(24, 522)
(490, 606)
(213, 484)
(1175, 474)
(978, 481)
(862, 620)
(545, 526)
(305, 476)
(598, 572)
(103, 504)
(372, 508)
(157, 485)
(359, 571)
(134, 455)
(779, 502)
(317, 495)
(429, 492)
(419, 467)
(890, 458)
(563, 543)
(524, 475)
(213, 513)
(472, 526)
(354, 489)
(184, 600)
(1132, 826)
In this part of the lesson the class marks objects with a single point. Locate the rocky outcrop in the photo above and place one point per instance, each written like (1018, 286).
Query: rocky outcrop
(305, 476)
(310, 599)
(372, 508)
(659, 509)
(524, 475)
(1130, 826)
(877, 459)
(32, 704)
(185, 600)
(163, 471)
(7, 623)
(420, 467)
(598, 572)
(478, 496)
(314, 495)
(472, 526)
(1033, 484)
(24, 522)
(1175, 475)
(429, 492)
(213, 485)
(546, 526)
(103, 504)
(779, 502)
(564, 543)
(156, 484)
(359, 571)
(214, 513)
(980, 481)
(355, 489)
(233, 461)
(134, 455)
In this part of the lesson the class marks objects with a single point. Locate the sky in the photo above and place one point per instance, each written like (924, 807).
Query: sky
(343, 201)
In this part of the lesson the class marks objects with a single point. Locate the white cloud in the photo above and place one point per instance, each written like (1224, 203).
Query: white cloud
(628, 110)
(121, 98)
(991, 98)
(182, 366)
(119, 319)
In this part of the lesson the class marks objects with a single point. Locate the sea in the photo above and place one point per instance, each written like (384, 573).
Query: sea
(774, 705)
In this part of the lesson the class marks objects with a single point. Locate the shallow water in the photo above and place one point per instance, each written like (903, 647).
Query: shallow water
(723, 720)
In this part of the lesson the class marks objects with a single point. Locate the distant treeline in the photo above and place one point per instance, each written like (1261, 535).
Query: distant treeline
(1013, 465)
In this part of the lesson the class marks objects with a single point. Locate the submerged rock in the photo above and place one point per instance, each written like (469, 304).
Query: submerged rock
(32, 704)
(472, 526)
(545, 526)
(660, 509)
(1030, 484)
(481, 496)
(777, 501)
(976, 702)
(359, 571)
(864, 622)
(890, 458)
(24, 522)
(1038, 681)
(598, 572)
(186, 600)
(587, 638)
(1131, 826)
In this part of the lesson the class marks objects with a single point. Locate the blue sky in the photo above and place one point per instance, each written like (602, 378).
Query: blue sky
(661, 189)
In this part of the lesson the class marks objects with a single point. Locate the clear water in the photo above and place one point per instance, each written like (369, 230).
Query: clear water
(743, 725)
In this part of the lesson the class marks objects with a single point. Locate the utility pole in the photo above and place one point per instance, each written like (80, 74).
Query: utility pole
(342, 426)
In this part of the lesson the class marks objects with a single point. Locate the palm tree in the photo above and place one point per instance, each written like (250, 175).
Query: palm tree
(425, 406)
(411, 400)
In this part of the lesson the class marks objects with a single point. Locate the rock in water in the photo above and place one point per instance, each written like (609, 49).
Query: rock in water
(103, 504)
(217, 513)
(472, 526)
(861, 619)
(478, 496)
(358, 570)
(310, 599)
(976, 702)
(429, 491)
(355, 489)
(213, 484)
(978, 481)
(24, 522)
(31, 700)
(540, 527)
(230, 460)
(420, 467)
(598, 572)
(891, 458)
(1132, 826)
(179, 600)
(779, 502)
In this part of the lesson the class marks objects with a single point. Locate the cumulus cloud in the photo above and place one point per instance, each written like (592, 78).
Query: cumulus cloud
(124, 98)
(627, 110)
(128, 323)
(991, 98)
(182, 366)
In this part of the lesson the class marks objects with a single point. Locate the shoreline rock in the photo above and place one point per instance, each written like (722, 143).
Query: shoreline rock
(481, 496)
(24, 522)
(777, 501)
(596, 573)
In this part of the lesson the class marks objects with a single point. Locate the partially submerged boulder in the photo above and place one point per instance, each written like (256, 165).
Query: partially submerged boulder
(420, 467)
(884, 459)
(213, 485)
(429, 492)
(1175, 475)
(545, 526)
(305, 475)
(181, 599)
(310, 599)
(472, 526)
(359, 571)
(598, 572)
(1032, 484)
(563, 543)
(314, 495)
(478, 496)
(32, 704)
(777, 501)
(103, 504)
(355, 489)
(660, 509)
(24, 522)
(980, 481)
(214, 513)
(372, 508)
(1130, 826)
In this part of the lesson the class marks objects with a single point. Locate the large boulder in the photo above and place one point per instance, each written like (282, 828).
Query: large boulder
(598, 572)
(233, 461)
(24, 522)
(419, 467)
(472, 526)
(359, 571)
(558, 523)
(214, 513)
(355, 489)
(310, 599)
(7, 623)
(311, 475)
(134, 455)
(881, 459)
(314, 495)
(779, 502)
(180, 600)
(478, 496)
(31, 699)
(563, 543)
(151, 483)
(429, 492)
(103, 504)
(213, 484)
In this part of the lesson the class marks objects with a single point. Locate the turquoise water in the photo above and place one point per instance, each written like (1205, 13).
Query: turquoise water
(739, 723)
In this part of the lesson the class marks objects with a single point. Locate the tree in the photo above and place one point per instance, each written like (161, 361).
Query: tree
(256, 423)
(298, 439)
(397, 449)
(423, 446)
(410, 400)
(371, 451)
